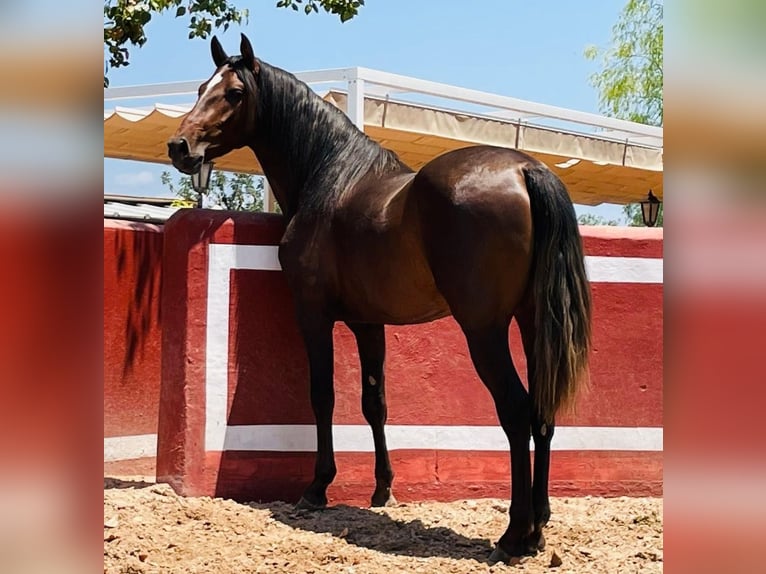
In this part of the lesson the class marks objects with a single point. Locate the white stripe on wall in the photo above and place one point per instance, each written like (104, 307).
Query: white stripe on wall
(623, 269)
(600, 269)
(128, 447)
(358, 438)
(222, 258)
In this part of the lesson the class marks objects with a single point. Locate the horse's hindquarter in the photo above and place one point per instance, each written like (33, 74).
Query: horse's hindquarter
(382, 272)
(477, 229)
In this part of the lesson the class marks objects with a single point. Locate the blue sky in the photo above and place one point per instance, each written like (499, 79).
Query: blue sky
(527, 50)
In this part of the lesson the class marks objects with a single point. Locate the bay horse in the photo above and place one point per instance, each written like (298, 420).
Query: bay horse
(484, 234)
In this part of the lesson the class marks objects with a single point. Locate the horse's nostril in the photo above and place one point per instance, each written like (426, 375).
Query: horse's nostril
(178, 147)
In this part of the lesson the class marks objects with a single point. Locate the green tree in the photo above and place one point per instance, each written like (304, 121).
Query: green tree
(593, 219)
(344, 9)
(236, 191)
(630, 80)
(125, 20)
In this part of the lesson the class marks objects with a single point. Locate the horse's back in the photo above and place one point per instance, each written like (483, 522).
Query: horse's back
(466, 175)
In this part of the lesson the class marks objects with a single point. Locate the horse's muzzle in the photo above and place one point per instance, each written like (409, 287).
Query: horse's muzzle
(180, 154)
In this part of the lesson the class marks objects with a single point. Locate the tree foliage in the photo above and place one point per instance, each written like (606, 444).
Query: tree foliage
(344, 9)
(125, 20)
(631, 78)
(125, 23)
(630, 81)
(236, 192)
(593, 219)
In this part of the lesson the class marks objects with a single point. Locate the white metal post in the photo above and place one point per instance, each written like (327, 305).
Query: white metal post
(355, 109)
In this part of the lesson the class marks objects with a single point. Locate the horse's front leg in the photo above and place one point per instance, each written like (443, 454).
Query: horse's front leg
(371, 340)
(317, 336)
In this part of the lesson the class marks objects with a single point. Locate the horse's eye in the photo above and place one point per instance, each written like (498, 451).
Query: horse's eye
(234, 95)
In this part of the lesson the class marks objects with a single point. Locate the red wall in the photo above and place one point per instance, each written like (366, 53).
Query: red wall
(267, 366)
(431, 381)
(132, 337)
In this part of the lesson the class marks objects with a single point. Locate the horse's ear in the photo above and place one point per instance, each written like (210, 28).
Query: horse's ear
(246, 50)
(219, 56)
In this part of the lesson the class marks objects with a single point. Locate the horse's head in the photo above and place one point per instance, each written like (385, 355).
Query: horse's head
(222, 118)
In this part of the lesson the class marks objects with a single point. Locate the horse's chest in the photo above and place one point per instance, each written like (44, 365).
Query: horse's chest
(307, 262)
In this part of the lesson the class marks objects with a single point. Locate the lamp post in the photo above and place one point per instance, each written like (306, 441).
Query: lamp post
(650, 209)
(201, 180)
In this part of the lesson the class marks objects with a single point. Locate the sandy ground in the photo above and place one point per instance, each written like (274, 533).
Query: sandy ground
(149, 529)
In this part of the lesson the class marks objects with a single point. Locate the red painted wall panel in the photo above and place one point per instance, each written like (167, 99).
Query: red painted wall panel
(132, 332)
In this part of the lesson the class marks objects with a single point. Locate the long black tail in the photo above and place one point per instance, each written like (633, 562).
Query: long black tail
(561, 293)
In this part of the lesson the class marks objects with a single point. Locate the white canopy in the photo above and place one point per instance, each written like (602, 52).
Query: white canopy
(617, 164)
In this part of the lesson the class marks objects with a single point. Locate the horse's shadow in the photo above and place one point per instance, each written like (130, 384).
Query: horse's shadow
(378, 531)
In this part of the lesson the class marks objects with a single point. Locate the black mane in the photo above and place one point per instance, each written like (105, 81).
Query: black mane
(323, 150)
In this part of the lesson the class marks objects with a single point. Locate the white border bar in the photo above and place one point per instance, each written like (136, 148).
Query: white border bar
(358, 438)
(602, 269)
(130, 447)
(222, 258)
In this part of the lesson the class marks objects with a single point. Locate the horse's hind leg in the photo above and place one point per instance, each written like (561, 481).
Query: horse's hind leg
(492, 358)
(542, 434)
(371, 341)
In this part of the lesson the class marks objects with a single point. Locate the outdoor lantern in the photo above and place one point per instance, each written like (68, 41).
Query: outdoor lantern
(650, 209)
(201, 180)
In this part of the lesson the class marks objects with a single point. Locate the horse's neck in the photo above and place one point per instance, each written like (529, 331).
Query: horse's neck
(297, 166)
(310, 151)
(279, 179)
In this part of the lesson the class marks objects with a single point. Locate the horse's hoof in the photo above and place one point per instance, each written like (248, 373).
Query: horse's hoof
(383, 499)
(530, 546)
(499, 555)
(304, 504)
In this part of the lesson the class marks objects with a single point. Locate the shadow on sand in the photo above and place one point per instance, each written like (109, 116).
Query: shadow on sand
(378, 531)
